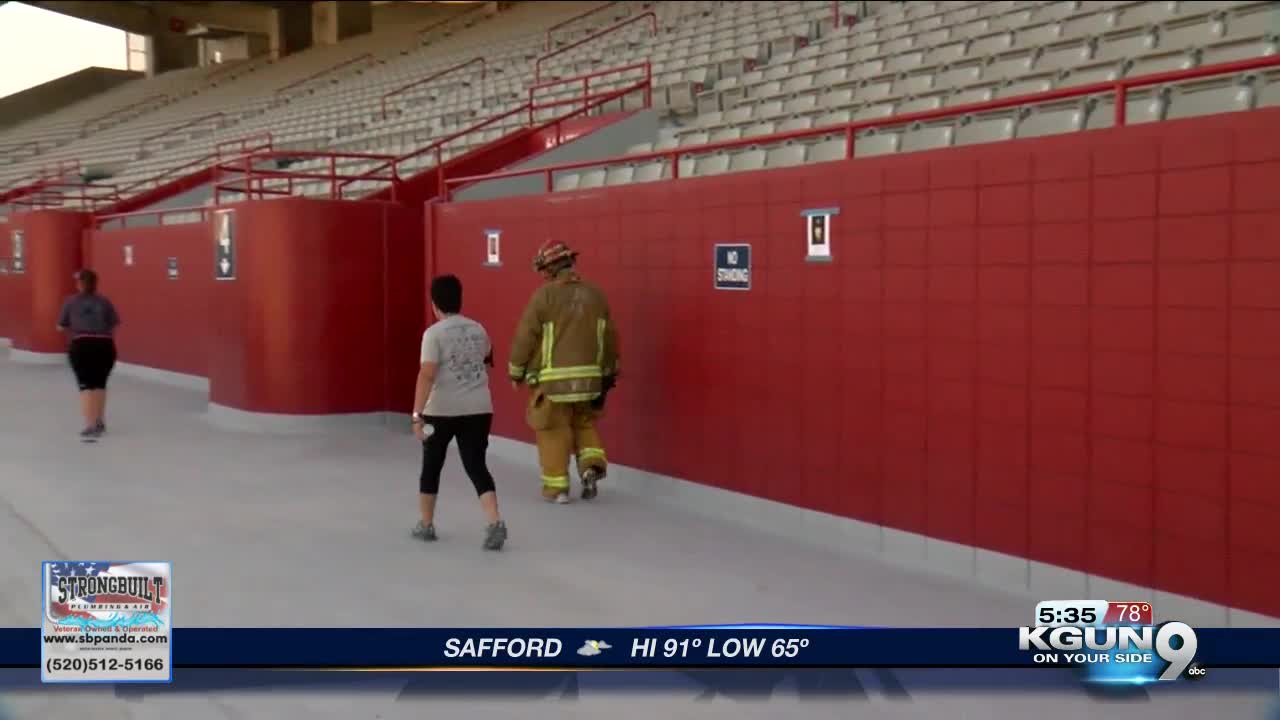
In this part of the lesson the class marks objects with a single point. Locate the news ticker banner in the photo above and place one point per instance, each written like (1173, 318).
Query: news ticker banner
(112, 622)
(614, 648)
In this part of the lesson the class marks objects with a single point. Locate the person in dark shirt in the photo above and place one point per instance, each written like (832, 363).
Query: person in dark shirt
(90, 320)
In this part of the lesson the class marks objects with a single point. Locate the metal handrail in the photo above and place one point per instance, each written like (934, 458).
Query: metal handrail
(204, 160)
(322, 73)
(529, 107)
(241, 144)
(578, 17)
(45, 195)
(587, 77)
(433, 76)
(142, 144)
(589, 105)
(100, 220)
(130, 106)
(42, 179)
(245, 165)
(1119, 87)
(451, 18)
(435, 145)
(653, 18)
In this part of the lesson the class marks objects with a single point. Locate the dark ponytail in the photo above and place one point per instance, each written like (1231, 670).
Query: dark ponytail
(89, 281)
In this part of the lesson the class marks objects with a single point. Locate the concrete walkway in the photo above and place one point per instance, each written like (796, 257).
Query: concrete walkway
(259, 527)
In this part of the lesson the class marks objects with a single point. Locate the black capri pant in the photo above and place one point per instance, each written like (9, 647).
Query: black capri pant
(472, 432)
(92, 359)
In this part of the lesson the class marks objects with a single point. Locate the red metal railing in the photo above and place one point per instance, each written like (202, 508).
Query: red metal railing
(588, 77)
(58, 194)
(123, 218)
(84, 127)
(1120, 88)
(437, 147)
(253, 179)
(142, 144)
(557, 122)
(429, 78)
(650, 15)
(326, 71)
(575, 19)
(248, 144)
(34, 184)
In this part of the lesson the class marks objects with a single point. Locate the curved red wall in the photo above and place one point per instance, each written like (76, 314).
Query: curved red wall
(11, 288)
(53, 240)
(325, 310)
(1061, 349)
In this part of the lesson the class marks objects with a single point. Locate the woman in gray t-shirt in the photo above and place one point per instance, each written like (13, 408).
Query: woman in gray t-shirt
(452, 402)
(90, 321)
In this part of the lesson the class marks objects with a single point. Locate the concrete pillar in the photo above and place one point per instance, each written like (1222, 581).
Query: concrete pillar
(333, 22)
(291, 31)
(168, 50)
(259, 44)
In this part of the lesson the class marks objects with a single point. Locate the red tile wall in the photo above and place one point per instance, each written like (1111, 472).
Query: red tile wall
(1063, 349)
(164, 323)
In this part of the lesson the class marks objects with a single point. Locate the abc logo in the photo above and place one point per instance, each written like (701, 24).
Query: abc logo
(1196, 671)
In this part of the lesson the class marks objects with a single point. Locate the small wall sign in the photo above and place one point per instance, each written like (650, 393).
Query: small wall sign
(128, 256)
(18, 258)
(493, 247)
(224, 246)
(173, 268)
(817, 232)
(733, 267)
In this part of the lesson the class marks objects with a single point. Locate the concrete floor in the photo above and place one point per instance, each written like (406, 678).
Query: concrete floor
(258, 525)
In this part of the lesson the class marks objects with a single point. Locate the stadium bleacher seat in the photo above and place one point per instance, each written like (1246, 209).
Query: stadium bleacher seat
(721, 71)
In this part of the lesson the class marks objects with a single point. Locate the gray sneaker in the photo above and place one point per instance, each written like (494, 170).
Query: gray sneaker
(425, 533)
(495, 536)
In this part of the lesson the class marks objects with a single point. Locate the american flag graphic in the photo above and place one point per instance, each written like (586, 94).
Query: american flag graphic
(103, 606)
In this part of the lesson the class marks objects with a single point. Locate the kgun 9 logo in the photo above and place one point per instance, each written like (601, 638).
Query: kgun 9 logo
(1173, 643)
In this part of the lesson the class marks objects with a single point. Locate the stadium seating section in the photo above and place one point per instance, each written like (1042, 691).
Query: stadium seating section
(721, 71)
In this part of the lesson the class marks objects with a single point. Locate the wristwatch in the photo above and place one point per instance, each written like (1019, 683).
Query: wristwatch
(417, 419)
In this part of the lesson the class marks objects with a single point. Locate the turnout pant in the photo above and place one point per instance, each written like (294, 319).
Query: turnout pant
(565, 430)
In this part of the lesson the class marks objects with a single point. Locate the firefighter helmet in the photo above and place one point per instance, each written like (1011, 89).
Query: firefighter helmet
(553, 256)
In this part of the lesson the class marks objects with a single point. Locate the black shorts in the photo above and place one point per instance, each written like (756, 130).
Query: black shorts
(92, 360)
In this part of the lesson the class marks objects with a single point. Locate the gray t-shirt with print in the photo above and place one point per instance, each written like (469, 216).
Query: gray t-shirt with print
(459, 347)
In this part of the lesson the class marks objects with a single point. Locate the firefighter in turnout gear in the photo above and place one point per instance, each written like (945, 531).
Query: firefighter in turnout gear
(566, 350)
